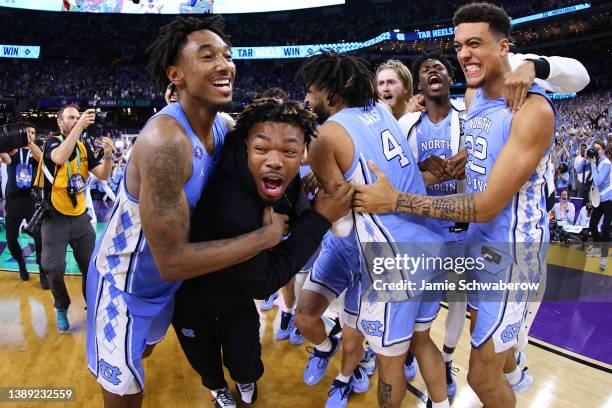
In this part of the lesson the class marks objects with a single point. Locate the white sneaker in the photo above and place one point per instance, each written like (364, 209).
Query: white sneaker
(223, 398)
(603, 263)
(248, 392)
(595, 251)
(523, 384)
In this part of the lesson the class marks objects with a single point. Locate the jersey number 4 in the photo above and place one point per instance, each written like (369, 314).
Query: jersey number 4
(392, 149)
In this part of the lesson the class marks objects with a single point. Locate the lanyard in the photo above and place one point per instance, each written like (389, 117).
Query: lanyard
(21, 156)
(78, 153)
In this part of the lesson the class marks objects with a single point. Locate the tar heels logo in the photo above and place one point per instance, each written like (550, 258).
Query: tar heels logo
(510, 332)
(109, 373)
(372, 327)
(188, 333)
(197, 151)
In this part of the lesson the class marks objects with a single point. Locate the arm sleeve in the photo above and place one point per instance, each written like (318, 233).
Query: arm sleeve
(4, 175)
(567, 75)
(272, 269)
(52, 144)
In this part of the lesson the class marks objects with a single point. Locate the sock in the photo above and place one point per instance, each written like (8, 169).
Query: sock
(409, 359)
(443, 404)
(515, 376)
(326, 346)
(284, 308)
(343, 378)
(447, 357)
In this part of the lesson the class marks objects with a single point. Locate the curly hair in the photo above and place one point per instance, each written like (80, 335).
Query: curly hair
(269, 110)
(172, 37)
(344, 75)
(435, 55)
(498, 19)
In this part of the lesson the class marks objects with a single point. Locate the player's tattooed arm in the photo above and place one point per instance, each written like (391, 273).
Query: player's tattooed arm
(164, 165)
(384, 394)
(457, 207)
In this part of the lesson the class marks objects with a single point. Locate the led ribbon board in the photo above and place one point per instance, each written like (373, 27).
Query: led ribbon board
(303, 51)
(19, 51)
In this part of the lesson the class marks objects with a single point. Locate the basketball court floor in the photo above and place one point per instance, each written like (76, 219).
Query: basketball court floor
(568, 355)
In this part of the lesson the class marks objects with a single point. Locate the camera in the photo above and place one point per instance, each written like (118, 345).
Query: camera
(592, 153)
(12, 135)
(42, 210)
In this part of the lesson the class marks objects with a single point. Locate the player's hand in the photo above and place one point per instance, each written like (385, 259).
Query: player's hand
(517, 84)
(87, 119)
(335, 205)
(380, 197)
(107, 146)
(457, 164)
(437, 166)
(416, 103)
(275, 226)
(5, 158)
(310, 183)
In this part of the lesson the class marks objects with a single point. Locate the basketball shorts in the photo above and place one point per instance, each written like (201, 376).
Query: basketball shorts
(117, 336)
(336, 270)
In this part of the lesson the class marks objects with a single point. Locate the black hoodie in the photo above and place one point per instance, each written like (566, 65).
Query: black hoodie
(230, 205)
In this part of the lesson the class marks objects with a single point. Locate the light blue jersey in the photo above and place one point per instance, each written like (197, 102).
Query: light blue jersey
(487, 130)
(129, 305)
(513, 246)
(376, 136)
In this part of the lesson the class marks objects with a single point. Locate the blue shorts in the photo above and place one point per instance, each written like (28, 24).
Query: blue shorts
(117, 336)
(500, 313)
(336, 270)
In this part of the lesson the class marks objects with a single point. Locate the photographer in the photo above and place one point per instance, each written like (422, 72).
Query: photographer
(602, 181)
(66, 163)
(19, 203)
(583, 173)
(562, 176)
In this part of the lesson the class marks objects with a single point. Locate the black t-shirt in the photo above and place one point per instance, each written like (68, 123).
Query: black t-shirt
(23, 156)
(52, 144)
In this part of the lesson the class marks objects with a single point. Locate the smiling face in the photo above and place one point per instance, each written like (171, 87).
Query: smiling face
(274, 151)
(479, 52)
(390, 88)
(204, 69)
(434, 79)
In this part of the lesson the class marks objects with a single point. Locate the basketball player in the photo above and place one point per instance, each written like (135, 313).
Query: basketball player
(341, 91)
(426, 129)
(508, 155)
(143, 254)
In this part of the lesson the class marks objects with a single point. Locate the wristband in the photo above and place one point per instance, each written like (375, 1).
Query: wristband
(542, 67)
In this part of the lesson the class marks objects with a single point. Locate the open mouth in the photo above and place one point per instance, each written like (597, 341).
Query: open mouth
(435, 83)
(387, 97)
(473, 70)
(272, 185)
(223, 84)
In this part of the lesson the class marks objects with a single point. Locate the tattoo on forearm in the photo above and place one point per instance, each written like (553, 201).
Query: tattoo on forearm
(384, 394)
(457, 207)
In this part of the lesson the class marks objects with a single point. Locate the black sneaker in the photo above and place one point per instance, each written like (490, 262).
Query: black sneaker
(44, 281)
(451, 385)
(248, 392)
(23, 272)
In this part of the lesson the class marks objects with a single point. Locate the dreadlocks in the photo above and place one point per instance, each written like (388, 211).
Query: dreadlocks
(269, 110)
(171, 39)
(339, 74)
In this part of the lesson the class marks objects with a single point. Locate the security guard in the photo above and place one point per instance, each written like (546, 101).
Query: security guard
(63, 176)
